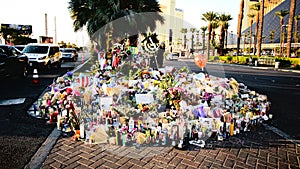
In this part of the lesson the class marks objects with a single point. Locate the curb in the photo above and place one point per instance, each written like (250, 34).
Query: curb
(40, 156)
(42, 153)
(282, 134)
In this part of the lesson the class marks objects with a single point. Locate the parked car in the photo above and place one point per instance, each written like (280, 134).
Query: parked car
(43, 55)
(172, 56)
(12, 62)
(19, 47)
(69, 54)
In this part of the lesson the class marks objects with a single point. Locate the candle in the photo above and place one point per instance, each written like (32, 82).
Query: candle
(231, 128)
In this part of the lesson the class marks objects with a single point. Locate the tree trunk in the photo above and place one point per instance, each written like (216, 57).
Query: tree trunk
(208, 40)
(226, 37)
(203, 44)
(296, 31)
(222, 32)
(281, 36)
(256, 32)
(251, 22)
(290, 27)
(260, 30)
(213, 36)
(241, 15)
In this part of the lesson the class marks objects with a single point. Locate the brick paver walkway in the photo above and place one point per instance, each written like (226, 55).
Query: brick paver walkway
(259, 148)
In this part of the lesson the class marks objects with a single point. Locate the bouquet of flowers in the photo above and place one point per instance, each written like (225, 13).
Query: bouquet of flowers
(174, 95)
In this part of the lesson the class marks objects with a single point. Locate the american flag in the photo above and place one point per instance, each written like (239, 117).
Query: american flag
(83, 80)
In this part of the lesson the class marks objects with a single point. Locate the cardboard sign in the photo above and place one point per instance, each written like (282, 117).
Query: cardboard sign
(217, 98)
(245, 96)
(144, 98)
(105, 102)
(132, 83)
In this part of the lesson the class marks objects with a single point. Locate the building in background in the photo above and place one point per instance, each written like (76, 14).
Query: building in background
(16, 34)
(272, 22)
(169, 32)
(269, 6)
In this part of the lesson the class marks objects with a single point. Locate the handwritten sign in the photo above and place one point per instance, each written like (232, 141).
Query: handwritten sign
(132, 83)
(245, 96)
(105, 102)
(144, 98)
(217, 98)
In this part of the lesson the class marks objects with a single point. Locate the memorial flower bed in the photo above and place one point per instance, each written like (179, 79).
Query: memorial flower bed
(147, 107)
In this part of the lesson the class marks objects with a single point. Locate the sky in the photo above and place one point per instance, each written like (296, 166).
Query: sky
(32, 12)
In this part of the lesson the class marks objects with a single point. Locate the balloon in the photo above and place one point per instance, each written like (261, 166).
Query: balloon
(200, 60)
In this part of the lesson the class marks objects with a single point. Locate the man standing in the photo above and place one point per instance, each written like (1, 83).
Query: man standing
(160, 55)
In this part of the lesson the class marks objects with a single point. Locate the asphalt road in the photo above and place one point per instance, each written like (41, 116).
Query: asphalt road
(20, 134)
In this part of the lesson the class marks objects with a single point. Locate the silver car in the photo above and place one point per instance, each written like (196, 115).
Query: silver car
(69, 54)
(172, 56)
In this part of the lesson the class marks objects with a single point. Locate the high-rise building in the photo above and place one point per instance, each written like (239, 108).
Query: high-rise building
(248, 9)
(169, 32)
(272, 22)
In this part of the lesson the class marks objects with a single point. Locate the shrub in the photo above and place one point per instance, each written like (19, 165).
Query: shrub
(229, 58)
(216, 58)
(283, 62)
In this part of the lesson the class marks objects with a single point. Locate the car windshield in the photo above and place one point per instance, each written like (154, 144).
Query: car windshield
(68, 50)
(20, 48)
(36, 49)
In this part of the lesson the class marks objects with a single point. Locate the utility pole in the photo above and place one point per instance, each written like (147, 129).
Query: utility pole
(46, 25)
(55, 34)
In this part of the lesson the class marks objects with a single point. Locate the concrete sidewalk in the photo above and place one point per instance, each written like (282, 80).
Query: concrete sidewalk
(259, 148)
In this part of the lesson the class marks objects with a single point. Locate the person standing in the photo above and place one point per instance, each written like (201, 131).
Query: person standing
(160, 55)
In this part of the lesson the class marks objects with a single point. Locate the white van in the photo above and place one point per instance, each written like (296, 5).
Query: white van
(43, 55)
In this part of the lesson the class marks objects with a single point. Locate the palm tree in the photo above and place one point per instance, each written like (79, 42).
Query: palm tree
(223, 22)
(256, 8)
(290, 27)
(203, 29)
(296, 34)
(260, 36)
(197, 39)
(192, 30)
(272, 36)
(251, 16)
(239, 28)
(209, 17)
(226, 26)
(100, 18)
(184, 31)
(214, 26)
(281, 14)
